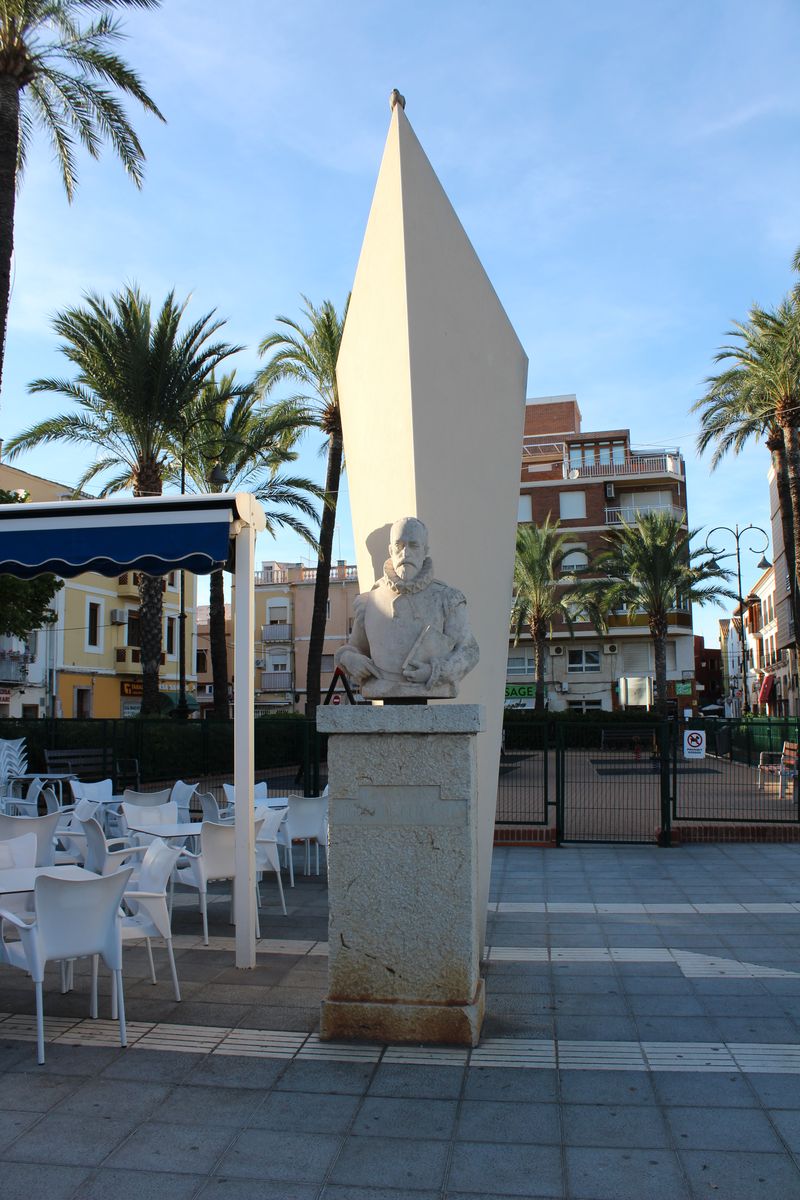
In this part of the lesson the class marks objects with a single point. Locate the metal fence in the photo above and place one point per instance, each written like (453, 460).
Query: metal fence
(526, 781)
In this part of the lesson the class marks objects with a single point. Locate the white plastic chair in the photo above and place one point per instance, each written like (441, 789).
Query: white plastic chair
(71, 834)
(19, 852)
(146, 901)
(43, 827)
(212, 810)
(146, 799)
(100, 857)
(306, 823)
(150, 816)
(27, 805)
(267, 857)
(71, 919)
(216, 860)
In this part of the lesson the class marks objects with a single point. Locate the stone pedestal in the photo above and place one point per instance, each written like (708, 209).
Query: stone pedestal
(404, 940)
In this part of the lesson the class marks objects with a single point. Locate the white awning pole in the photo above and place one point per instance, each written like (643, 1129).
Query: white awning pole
(243, 756)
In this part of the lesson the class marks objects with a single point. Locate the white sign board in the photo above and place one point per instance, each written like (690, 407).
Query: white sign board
(694, 743)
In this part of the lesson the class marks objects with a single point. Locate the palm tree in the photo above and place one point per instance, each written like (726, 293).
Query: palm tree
(541, 595)
(306, 357)
(733, 412)
(62, 77)
(651, 568)
(136, 376)
(228, 437)
(761, 392)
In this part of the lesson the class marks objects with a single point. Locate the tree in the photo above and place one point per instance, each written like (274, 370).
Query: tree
(651, 568)
(136, 375)
(736, 409)
(761, 392)
(306, 357)
(61, 76)
(25, 603)
(541, 594)
(227, 432)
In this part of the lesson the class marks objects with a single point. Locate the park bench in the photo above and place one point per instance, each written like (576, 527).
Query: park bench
(93, 763)
(783, 764)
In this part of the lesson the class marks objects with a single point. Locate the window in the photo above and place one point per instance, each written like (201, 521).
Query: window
(328, 609)
(326, 664)
(134, 636)
(30, 712)
(572, 505)
(93, 631)
(583, 705)
(278, 614)
(524, 510)
(618, 454)
(83, 702)
(171, 580)
(583, 661)
(520, 664)
(575, 456)
(633, 503)
(672, 660)
(202, 662)
(574, 561)
(172, 626)
(605, 454)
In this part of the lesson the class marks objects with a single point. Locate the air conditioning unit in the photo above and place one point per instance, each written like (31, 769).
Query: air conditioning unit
(556, 651)
(611, 648)
(610, 491)
(118, 616)
(261, 662)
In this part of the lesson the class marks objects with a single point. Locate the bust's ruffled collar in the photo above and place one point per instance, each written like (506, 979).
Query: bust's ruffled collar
(406, 587)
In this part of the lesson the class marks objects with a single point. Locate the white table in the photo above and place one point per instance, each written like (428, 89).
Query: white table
(23, 879)
(178, 831)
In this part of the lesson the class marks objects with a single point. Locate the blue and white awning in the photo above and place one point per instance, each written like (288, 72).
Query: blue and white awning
(153, 534)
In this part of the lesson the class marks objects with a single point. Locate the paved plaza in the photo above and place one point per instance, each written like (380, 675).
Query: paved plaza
(642, 1042)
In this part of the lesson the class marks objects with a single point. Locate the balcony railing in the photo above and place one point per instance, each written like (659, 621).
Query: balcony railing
(276, 681)
(14, 670)
(276, 633)
(339, 574)
(264, 577)
(635, 464)
(616, 516)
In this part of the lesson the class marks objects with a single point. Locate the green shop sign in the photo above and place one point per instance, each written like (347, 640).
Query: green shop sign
(683, 689)
(520, 691)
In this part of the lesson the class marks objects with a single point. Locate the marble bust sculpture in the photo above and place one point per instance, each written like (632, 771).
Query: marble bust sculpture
(411, 637)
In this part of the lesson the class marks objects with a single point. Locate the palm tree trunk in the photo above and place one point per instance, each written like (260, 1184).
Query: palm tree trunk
(658, 631)
(219, 645)
(9, 148)
(539, 641)
(319, 617)
(778, 451)
(147, 482)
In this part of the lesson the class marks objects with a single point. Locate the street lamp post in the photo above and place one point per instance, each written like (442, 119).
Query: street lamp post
(763, 564)
(182, 708)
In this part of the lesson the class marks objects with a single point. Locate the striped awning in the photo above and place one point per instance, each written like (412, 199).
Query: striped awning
(154, 535)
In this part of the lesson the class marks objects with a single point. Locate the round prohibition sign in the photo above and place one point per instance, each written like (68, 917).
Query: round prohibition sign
(695, 740)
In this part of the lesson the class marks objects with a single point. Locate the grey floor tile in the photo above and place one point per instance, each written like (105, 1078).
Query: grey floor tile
(505, 1170)
(741, 1176)
(13, 1123)
(67, 1060)
(183, 1149)
(339, 1191)
(787, 1123)
(732, 1129)
(130, 1099)
(212, 1105)
(519, 1122)
(152, 1066)
(235, 1071)
(35, 1093)
(415, 1164)
(692, 1088)
(73, 1141)
(613, 1125)
(305, 1112)
(224, 1188)
(315, 1076)
(389, 1117)
(776, 1091)
(509, 1083)
(624, 1174)
(606, 1087)
(294, 1157)
(26, 1181)
(436, 1083)
(109, 1184)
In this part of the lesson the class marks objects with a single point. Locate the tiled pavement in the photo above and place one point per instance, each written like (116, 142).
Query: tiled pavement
(637, 1059)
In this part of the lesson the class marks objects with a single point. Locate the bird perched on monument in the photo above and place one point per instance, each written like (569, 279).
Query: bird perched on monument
(395, 98)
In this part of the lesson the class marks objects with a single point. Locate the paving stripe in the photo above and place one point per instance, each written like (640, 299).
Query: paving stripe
(582, 908)
(693, 966)
(521, 1053)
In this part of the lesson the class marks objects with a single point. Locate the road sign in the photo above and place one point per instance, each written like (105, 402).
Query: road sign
(337, 699)
(694, 743)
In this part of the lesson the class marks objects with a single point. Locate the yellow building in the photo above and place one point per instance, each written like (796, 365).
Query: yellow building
(88, 664)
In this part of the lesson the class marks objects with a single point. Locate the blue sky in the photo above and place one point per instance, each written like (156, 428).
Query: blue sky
(628, 174)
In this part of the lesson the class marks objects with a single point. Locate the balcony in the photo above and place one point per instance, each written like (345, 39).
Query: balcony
(262, 578)
(128, 658)
(338, 574)
(276, 681)
(14, 670)
(634, 464)
(276, 633)
(616, 516)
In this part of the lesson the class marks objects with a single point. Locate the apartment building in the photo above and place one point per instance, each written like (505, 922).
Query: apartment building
(768, 666)
(284, 604)
(87, 664)
(205, 675)
(784, 632)
(591, 482)
(707, 672)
